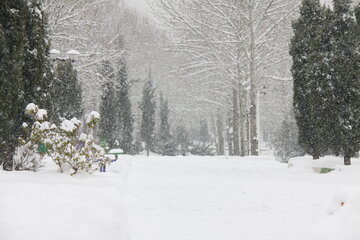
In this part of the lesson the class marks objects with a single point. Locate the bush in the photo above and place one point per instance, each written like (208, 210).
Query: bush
(27, 158)
(285, 142)
(71, 150)
(202, 150)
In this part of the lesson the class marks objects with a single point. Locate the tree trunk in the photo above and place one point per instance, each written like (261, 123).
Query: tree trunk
(253, 127)
(316, 156)
(7, 156)
(147, 149)
(215, 131)
(242, 110)
(253, 91)
(236, 123)
(220, 134)
(347, 158)
(229, 138)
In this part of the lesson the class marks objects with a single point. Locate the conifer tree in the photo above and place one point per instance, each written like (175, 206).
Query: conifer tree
(285, 142)
(125, 119)
(37, 71)
(147, 107)
(67, 92)
(107, 124)
(24, 68)
(308, 75)
(164, 132)
(204, 136)
(182, 139)
(345, 80)
(12, 41)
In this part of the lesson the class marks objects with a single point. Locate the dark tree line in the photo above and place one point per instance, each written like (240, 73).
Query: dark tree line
(326, 60)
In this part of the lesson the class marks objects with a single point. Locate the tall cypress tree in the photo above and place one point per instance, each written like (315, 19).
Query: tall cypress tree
(37, 71)
(67, 92)
(345, 80)
(164, 131)
(12, 41)
(24, 68)
(125, 119)
(182, 139)
(307, 74)
(147, 107)
(107, 125)
(204, 135)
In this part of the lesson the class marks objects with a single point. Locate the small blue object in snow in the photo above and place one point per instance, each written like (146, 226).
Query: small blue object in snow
(103, 166)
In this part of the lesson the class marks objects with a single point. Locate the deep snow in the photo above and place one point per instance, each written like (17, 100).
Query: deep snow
(194, 198)
(187, 198)
(47, 205)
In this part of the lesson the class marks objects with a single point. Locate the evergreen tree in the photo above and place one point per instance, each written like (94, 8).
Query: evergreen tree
(203, 147)
(147, 107)
(285, 142)
(204, 135)
(164, 132)
(345, 80)
(182, 139)
(24, 68)
(308, 76)
(12, 41)
(37, 71)
(107, 124)
(125, 119)
(67, 92)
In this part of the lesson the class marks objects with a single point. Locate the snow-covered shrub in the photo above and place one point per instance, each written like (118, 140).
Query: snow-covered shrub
(202, 150)
(285, 143)
(70, 149)
(27, 158)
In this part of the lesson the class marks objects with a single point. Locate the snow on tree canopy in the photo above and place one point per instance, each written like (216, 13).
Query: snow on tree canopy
(73, 52)
(54, 51)
(41, 115)
(44, 126)
(68, 126)
(31, 107)
(93, 116)
(83, 137)
(76, 121)
(38, 12)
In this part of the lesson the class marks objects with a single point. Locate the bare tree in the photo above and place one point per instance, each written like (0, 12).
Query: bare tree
(230, 45)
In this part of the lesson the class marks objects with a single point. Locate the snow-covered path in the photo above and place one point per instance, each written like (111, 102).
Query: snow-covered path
(196, 198)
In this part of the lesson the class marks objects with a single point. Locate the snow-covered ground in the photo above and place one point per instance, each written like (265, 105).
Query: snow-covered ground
(47, 205)
(183, 198)
(194, 198)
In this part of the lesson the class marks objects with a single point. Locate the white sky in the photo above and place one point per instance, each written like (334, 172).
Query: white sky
(141, 5)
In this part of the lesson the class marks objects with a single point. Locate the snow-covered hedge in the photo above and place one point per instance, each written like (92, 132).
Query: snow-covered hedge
(70, 149)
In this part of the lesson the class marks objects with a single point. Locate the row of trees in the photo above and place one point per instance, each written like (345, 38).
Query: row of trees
(229, 47)
(117, 126)
(326, 60)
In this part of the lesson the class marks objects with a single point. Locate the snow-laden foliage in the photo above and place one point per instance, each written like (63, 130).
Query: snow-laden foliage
(70, 149)
(27, 158)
